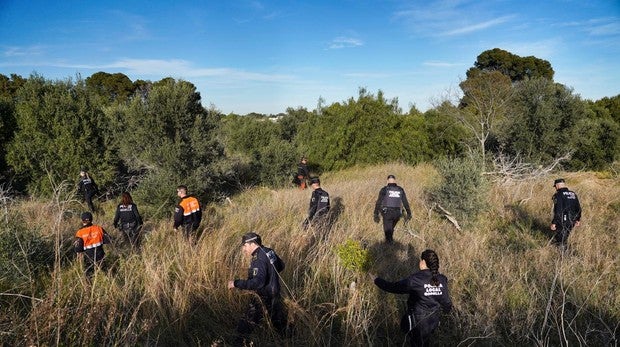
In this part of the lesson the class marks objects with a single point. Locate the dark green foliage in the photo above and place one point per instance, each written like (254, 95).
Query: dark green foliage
(170, 138)
(540, 126)
(463, 188)
(596, 143)
(60, 129)
(112, 87)
(368, 130)
(516, 67)
(8, 123)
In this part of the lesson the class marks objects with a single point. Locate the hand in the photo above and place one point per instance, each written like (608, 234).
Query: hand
(553, 227)
(231, 284)
(577, 223)
(376, 218)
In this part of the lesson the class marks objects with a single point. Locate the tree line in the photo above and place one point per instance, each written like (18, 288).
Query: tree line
(149, 137)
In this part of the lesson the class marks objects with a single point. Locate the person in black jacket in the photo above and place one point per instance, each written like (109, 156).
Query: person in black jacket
(264, 280)
(127, 219)
(302, 173)
(319, 205)
(188, 213)
(88, 244)
(389, 203)
(87, 188)
(428, 295)
(566, 212)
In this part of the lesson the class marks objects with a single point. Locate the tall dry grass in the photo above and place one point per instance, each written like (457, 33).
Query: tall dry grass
(508, 285)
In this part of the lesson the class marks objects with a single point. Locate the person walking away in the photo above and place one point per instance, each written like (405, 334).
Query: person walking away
(428, 296)
(319, 205)
(302, 173)
(89, 241)
(391, 200)
(566, 212)
(127, 219)
(87, 188)
(187, 214)
(264, 280)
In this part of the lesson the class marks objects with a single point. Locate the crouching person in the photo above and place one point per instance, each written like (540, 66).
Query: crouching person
(264, 280)
(89, 241)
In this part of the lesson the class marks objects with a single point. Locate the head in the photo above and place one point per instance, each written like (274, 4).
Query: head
(126, 199)
(304, 160)
(315, 182)
(559, 183)
(86, 217)
(430, 260)
(250, 242)
(83, 173)
(181, 191)
(391, 179)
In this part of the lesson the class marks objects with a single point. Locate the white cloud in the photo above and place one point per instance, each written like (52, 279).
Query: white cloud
(442, 64)
(345, 42)
(476, 27)
(179, 68)
(15, 51)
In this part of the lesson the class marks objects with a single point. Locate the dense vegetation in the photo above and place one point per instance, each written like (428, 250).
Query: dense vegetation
(509, 286)
(478, 155)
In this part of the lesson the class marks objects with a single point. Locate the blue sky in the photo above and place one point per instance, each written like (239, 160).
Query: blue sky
(265, 56)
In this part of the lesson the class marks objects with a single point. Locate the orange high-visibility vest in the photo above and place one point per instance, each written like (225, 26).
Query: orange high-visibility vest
(190, 205)
(91, 235)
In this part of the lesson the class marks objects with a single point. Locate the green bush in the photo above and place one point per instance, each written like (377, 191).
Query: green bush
(353, 256)
(24, 255)
(463, 189)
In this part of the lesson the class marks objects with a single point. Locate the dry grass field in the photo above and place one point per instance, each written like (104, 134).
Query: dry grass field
(509, 286)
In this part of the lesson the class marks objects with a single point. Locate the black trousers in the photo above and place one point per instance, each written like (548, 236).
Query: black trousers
(391, 216)
(93, 259)
(88, 198)
(561, 234)
(421, 334)
(254, 314)
(131, 234)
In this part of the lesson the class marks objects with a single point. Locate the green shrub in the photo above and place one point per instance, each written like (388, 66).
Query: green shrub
(353, 256)
(463, 188)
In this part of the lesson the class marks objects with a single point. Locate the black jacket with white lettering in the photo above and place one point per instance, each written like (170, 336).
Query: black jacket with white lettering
(392, 196)
(566, 208)
(127, 214)
(263, 277)
(319, 203)
(424, 298)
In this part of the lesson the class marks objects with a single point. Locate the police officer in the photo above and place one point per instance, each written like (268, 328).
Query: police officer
(319, 204)
(187, 214)
(302, 173)
(264, 280)
(89, 241)
(128, 220)
(428, 295)
(566, 212)
(389, 202)
(88, 189)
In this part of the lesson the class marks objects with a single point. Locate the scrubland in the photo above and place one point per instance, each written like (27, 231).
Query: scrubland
(509, 286)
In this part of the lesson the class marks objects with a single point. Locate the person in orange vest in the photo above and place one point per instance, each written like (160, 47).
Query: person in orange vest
(187, 214)
(89, 241)
(302, 173)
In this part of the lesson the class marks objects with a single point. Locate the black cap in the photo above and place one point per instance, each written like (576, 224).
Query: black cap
(314, 180)
(559, 180)
(87, 216)
(251, 237)
(391, 176)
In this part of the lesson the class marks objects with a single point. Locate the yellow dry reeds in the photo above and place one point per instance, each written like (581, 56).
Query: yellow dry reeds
(508, 284)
